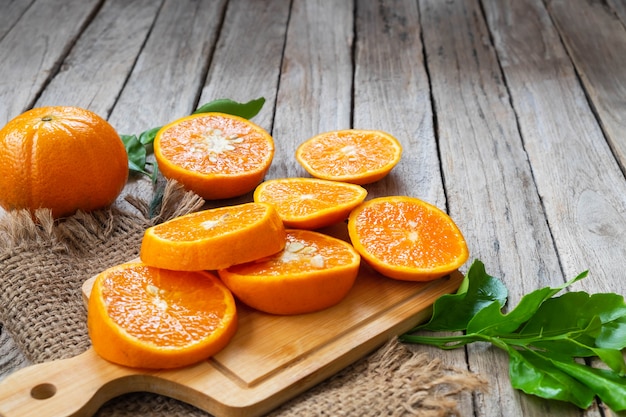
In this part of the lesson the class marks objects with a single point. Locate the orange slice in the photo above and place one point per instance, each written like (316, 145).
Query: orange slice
(406, 238)
(355, 156)
(146, 317)
(215, 238)
(215, 155)
(313, 272)
(309, 203)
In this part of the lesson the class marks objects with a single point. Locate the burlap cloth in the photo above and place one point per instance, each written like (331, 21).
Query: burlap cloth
(44, 263)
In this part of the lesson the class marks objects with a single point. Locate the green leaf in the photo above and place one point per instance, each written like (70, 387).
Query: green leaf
(610, 387)
(545, 335)
(491, 321)
(246, 110)
(452, 312)
(613, 334)
(147, 137)
(136, 153)
(536, 375)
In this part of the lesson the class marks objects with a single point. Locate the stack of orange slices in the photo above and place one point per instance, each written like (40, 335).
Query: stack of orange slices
(177, 305)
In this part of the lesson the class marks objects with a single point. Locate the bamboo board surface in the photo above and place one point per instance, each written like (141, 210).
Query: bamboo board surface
(270, 360)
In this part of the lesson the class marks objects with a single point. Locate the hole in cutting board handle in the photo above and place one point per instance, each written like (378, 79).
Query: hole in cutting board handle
(43, 391)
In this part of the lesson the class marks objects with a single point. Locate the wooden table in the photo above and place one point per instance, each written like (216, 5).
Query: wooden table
(512, 113)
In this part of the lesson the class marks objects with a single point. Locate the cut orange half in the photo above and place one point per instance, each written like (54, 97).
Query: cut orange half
(215, 155)
(314, 271)
(355, 156)
(309, 203)
(146, 317)
(406, 238)
(214, 239)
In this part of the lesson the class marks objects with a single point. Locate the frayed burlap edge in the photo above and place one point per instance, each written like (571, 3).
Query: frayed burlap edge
(393, 381)
(20, 229)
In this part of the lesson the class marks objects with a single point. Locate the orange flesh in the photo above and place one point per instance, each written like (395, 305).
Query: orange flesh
(300, 256)
(303, 197)
(409, 235)
(215, 145)
(165, 308)
(218, 221)
(338, 154)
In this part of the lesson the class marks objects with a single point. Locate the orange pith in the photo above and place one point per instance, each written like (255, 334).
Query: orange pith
(146, 317)
(355, 156)
(60, 158)
(309, 203)
(215, 238)
(406, 238)
(215, 155)
(313, 272)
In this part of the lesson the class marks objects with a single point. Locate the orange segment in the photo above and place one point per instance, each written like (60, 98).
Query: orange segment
(215, 238)
(355, 156)
(406, 238)
(313, 272)
(215, 155)
(146, 317)
(309, 203)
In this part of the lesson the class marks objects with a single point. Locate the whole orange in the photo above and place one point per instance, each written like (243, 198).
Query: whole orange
(61, 158)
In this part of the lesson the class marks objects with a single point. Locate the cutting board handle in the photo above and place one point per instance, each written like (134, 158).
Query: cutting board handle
(76, 386)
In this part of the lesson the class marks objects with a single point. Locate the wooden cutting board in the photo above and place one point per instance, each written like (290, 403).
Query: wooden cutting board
(270, 360)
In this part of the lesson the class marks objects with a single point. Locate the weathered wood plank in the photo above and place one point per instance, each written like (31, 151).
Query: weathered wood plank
(51, 27)
(596, 40)
(171, 68)
(247, 59)
(619, 6)
(12, 10)
(391, 93)
(246, 65)
(315, 87)
(93, 74)
(489, 184)
(582, 188)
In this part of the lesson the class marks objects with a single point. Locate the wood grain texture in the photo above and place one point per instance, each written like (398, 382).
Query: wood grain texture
(248, 55)
(595, 39)
(12, 11)
(171, 67)
(51, 27)
(582, 188)
(97, 67)
(489, 184)
(315, 86)
(391, 93)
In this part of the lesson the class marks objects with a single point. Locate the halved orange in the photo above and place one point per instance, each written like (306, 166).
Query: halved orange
(406, 238)
(314, 271)
(310, 203)
(215, 238)
(355, 156)
(147, 317)
(216, 155)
